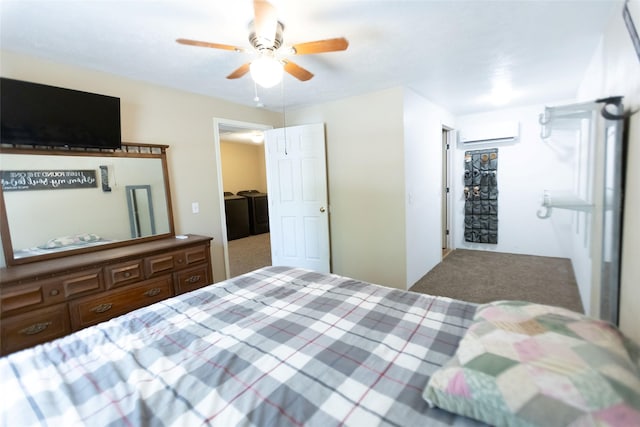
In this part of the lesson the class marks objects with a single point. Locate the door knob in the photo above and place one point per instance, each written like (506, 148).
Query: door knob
(322, 209)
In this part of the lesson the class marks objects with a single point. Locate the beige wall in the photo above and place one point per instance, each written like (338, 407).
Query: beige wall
(423, 122)
(158, 115)
(614, 70)
(365, 161)
(384, 169)
(243, 167)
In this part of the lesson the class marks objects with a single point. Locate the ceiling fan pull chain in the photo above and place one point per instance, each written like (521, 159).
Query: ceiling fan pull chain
(256, 98)
(284, 118)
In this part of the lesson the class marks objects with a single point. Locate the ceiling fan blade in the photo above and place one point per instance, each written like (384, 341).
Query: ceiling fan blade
(297, 71)
(209, 44)
(320, 46)
(265, 21)
(239, 72)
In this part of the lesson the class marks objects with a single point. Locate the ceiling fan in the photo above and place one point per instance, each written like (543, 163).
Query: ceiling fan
(266, 37)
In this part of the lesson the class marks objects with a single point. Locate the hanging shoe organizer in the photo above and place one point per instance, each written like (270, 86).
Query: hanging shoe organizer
(481, 196)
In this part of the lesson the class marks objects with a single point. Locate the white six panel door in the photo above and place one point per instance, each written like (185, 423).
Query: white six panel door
(297, 186)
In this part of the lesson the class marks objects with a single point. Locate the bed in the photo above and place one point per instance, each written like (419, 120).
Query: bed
(61, 244)
(275, 347)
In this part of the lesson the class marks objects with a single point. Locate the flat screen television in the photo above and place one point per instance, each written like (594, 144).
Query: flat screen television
(37, 114)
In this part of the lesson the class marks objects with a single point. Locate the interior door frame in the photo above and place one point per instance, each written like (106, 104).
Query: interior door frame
(217, 122)
(447, 164)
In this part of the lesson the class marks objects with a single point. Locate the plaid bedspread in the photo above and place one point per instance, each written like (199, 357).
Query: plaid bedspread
(275, 347)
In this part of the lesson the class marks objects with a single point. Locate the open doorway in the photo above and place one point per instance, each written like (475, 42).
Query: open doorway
(239, 148)
(447, 135)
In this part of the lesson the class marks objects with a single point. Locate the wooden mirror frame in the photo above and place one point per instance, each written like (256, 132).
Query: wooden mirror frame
(128, 150)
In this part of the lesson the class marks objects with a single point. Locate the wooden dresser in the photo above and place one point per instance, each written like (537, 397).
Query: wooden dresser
(49, 299)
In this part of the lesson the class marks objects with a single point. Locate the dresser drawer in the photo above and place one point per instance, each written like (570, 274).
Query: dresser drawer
(21, 297)
(121, 274)
(91, 310)
(162, 264)
(177, 260)
(40, 293)
(196, 255)
(81, 283)
(192, 278)
(35, 327)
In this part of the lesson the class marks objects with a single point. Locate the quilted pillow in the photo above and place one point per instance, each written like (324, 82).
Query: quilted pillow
(524, 364)
(78, 239)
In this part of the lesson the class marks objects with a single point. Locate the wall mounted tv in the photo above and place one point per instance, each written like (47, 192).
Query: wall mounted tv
(37, 114)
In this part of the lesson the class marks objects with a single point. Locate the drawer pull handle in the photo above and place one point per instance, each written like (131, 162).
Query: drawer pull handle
(102, 308)
(36, 328)
(153, 292)
(127, 274)
(54, 292)
(180, 261)
(192, 279)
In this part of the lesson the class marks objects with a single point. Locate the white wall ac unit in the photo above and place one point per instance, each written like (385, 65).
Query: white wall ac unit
(490, 133)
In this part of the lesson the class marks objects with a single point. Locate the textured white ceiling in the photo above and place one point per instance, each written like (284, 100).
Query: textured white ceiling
(449, 51)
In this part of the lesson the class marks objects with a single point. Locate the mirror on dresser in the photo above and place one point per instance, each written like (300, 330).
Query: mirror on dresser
(61, 202)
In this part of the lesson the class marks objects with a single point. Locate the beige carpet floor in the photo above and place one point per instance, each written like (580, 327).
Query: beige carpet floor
(483, 276)
(476, 276)
(249, 253)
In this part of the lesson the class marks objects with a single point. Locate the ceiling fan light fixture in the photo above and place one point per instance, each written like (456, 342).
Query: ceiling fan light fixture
(266, 71)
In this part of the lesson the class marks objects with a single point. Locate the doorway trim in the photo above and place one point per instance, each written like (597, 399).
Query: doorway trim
(240, 125)
(448, 140)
